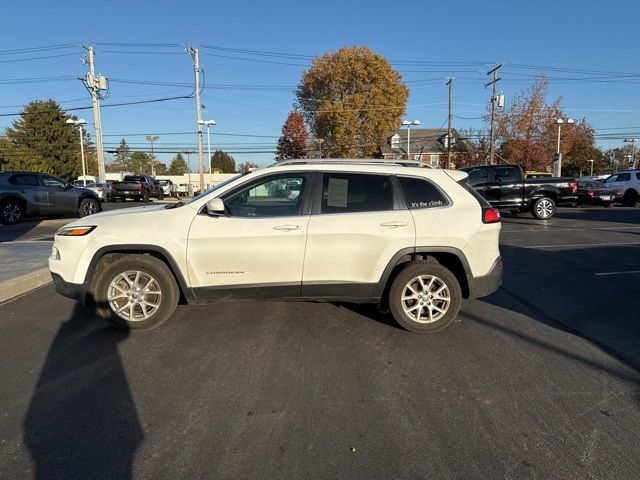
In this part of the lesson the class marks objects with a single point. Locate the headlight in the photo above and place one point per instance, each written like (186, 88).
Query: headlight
(75, 231)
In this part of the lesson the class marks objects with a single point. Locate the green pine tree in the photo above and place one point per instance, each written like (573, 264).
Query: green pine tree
(41, 141)
(178, 165)
(223, 162)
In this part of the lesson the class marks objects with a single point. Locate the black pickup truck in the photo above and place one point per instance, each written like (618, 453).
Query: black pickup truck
(504, 187)
(138, 187)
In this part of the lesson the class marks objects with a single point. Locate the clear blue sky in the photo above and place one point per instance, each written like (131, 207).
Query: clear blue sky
(590, 36)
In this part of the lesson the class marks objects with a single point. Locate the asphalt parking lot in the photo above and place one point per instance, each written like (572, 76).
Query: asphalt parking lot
(539, 380)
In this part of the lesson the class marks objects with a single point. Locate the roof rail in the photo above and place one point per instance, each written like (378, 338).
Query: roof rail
(352, 161)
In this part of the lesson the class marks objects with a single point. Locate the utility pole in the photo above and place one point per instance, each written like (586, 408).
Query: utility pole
(449, 139)
(493, 82)
(193, 51)
(94, 85)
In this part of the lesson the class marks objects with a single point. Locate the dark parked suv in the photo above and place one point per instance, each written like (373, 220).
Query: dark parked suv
(30, 193)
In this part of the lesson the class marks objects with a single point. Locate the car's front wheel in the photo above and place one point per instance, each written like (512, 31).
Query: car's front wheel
(136, 292)
(88, 206)
(425, 297)
(12, 212)
(543, 208)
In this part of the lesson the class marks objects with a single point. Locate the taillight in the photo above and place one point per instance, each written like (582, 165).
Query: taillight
(139, 186)
(590, 193)
(490, 215)
(574, 187)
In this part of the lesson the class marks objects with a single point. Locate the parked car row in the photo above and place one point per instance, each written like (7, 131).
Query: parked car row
(506, 187)
(29, 193)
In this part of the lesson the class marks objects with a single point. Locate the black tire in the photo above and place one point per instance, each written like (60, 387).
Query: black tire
(630, 198)
(515, 213)
(88, 206)
(607, 204)
(12, 212)
(145, 196)
(150, 267)
(543, 208)
(442, 277)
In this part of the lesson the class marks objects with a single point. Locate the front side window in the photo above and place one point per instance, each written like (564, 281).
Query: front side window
(352, 192)
(505, 174)
(281, 196)
(419, 193)
(51, 181)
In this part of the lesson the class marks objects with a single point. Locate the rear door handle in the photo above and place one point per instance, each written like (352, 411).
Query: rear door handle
(287, 227)
(394, 224)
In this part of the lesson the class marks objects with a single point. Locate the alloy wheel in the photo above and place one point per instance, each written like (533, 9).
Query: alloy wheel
(426, 299)
(544, 208)
(134, 295)
(11, 213)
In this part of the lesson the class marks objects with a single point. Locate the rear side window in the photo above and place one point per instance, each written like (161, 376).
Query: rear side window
(505, 174)
(27, 179)
(420, 193)
(478, 176)
(352, 192)
(638, 176)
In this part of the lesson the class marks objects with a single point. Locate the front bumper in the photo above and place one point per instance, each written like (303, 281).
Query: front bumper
(70, 290)
(487, 284)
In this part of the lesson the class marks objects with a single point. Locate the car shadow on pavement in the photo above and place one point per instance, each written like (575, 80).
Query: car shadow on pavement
(583, 291)
(82, 421)
(8, 233)
(628, 215)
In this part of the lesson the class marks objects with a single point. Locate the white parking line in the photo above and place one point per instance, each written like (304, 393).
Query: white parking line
(608, 244)
(617, 273)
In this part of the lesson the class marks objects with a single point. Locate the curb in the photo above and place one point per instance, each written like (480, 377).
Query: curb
(24, 283)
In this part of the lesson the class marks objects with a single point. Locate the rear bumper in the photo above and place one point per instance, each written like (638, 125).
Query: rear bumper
(70, 290)
(487, 284)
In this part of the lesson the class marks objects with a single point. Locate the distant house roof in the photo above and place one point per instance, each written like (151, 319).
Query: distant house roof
(429, 140)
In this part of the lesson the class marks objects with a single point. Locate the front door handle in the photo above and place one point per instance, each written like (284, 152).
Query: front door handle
(287, 227)
(394, 224)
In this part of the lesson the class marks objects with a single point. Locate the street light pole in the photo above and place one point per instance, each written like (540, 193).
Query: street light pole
(408, 124)
(557, 163)
(152, 138)
(632, 141)
(208, 123)
(591, 162)
(79, 124)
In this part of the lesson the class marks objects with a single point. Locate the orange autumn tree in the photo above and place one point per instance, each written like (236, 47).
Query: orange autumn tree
(527, 132)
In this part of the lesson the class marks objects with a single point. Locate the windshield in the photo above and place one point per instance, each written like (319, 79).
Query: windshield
(216, 187)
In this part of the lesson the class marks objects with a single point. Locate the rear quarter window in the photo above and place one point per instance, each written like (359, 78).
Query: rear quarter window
(422, 193)
(465, 184)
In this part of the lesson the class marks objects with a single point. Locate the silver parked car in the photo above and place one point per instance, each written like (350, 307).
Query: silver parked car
(31, 193)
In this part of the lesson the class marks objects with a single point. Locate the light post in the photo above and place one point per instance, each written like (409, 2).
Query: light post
(591, 162)
(632, 141)
(152, 138)
(408, 123)
(208, 123)
(78, 123)
(557, 162)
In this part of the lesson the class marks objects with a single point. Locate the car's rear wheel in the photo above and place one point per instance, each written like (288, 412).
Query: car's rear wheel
(88, 206)
(12, 212)
(145, 197)
(136, 292)
(543, 208)
(425, 297)
(607, 204)
(161, 195)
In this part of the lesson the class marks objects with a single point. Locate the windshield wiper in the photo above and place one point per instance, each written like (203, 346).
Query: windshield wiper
(174, 205)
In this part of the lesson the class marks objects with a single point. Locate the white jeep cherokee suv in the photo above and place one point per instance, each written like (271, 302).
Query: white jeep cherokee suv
(413, 240)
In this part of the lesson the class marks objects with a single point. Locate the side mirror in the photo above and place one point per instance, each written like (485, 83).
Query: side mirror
(215, 207)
